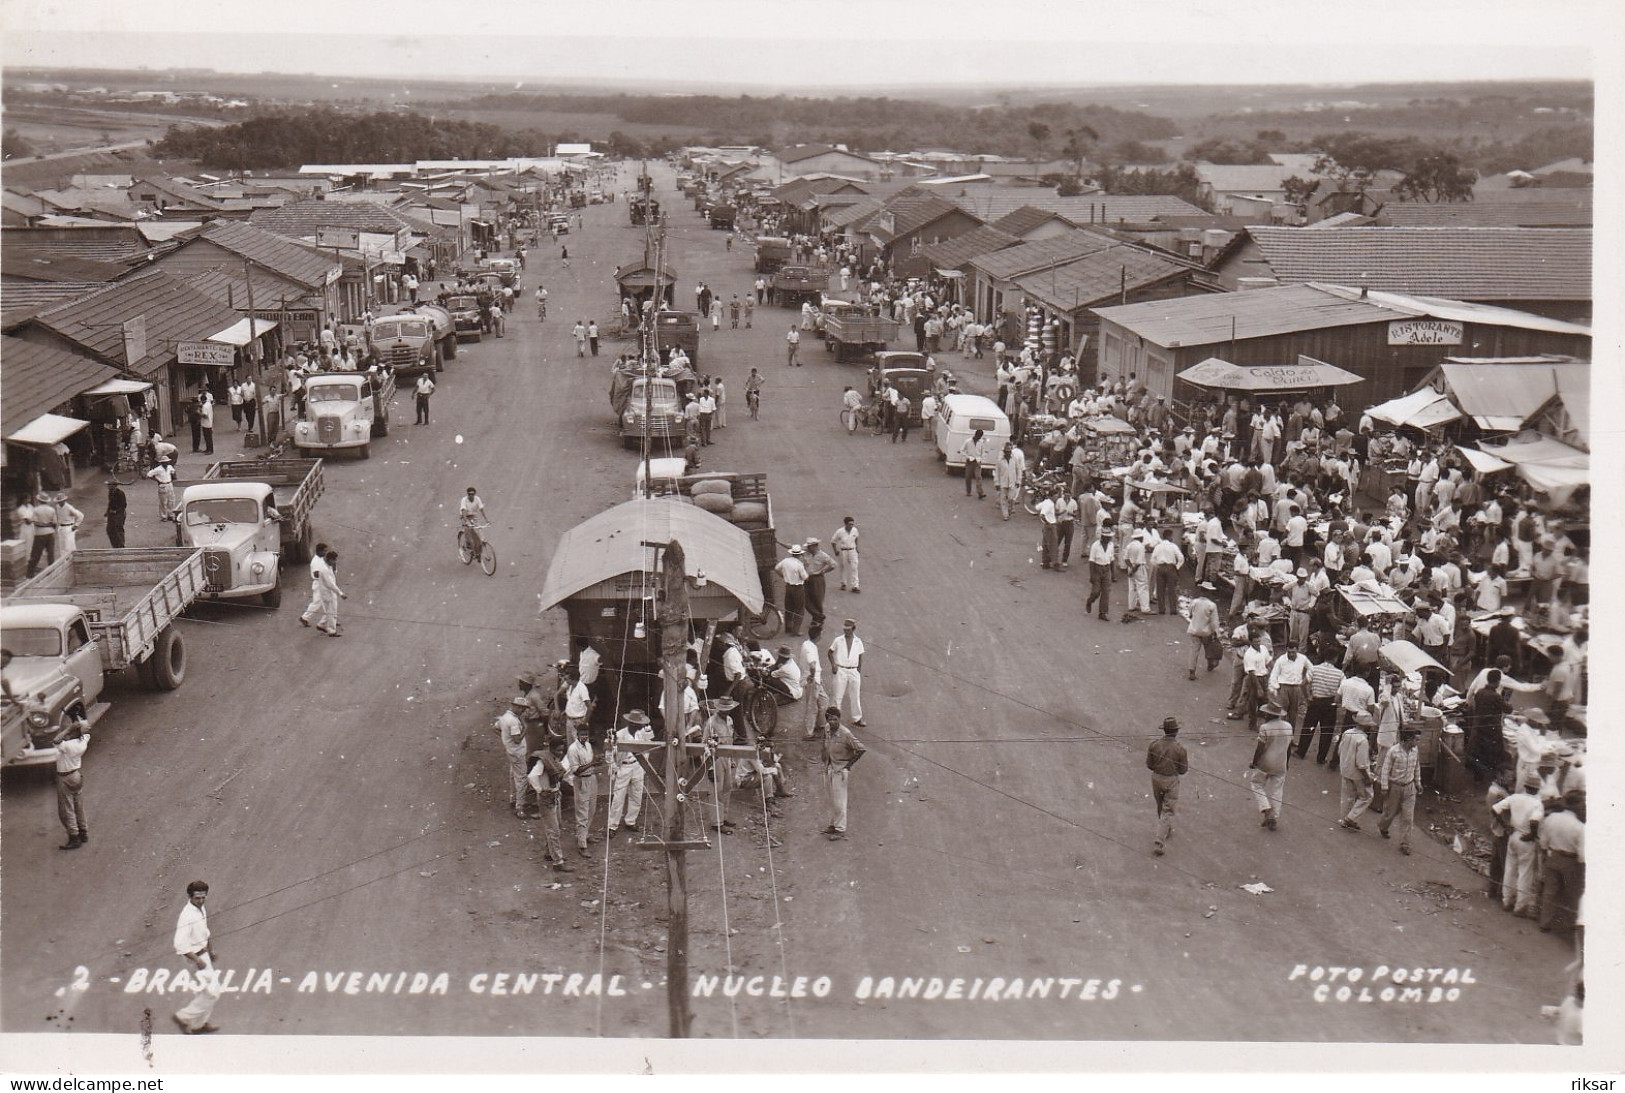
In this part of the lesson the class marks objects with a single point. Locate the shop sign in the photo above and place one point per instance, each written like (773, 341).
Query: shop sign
(1425, 332)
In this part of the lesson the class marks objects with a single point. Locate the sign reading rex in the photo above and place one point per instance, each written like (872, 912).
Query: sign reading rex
(1425, 332)
(223, 356)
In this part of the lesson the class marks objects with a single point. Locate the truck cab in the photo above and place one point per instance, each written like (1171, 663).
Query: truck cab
(345, 410)
(56, 669)
(406, 343)
(465, 314)
(654, 409)
(507, 269)
(238, 528)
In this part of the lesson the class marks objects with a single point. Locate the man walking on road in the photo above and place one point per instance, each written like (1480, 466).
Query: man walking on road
(1398, 775)
(791, 341)
(425, 388)
(1267, 772)
(1008, 472)
(331, 595)
(841, 750)
(1203, 629)
(818, 563)
(845, 542)
(846, 664)
(118, 507)
(973, 451)
(1101, 556)
(1167, 761)
(192, 942)
(318, 562)
(579, 332)
(1354, 770)
(592, 335)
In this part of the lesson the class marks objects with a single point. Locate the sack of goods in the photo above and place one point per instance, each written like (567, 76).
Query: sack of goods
(719, 503)
(750, 515)
(713, 486)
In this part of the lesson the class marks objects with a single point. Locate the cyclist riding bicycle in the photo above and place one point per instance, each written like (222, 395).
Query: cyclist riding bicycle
(471, 512)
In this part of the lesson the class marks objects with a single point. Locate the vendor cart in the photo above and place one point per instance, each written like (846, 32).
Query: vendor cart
(1419, 677)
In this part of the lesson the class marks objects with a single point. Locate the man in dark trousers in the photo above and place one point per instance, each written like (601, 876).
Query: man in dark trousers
(1167, 761)
(117, 506)
(194, 418)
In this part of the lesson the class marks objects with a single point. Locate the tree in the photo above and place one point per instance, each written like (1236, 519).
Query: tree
(1438, 177)
(1078, 143)
(1217, 150)
(14, 145)
(1040, 134)
(1300, 190)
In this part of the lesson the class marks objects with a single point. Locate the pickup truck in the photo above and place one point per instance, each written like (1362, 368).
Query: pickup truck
(406, 342)
(794, 284)
(227, 514)
(851, 330)
(465, 315)
(345, 410)
(86, 615)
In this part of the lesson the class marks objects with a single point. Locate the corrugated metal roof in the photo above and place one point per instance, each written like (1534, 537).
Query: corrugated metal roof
(989, 204)
(1099, 276)
(1459, 263)
(305, 265)
(845, 215)
(1509, 388)
(228, 285)
(611, 543)
(1265, 312)
(39, 267)
(174, 310)
(1535, 207)
(1012, 262)
(909, 213)
(38, 378)
(958, 251)
(301, 219)
(1026, 218)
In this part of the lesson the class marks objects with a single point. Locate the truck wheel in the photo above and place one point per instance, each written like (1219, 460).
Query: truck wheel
(439, 361)
(168, 660)
(449, 350)
(365, 451)
(272, 597)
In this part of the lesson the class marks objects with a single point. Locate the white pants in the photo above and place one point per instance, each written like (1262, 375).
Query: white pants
(1520, 880)
(849, 569)
(1139, 591)
(848, 679)
(315, 607)
(586, 801)
(1268, 790)
(196, 1013)
(835, 779)
(628, 781)
(330, 610)
(816, 699)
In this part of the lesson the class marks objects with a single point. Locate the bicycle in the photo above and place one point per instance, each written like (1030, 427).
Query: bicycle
(130, 464)
(471, 544)
(767, 625)
(867, 415)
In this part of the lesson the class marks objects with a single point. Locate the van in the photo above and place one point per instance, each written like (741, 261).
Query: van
(961, 415)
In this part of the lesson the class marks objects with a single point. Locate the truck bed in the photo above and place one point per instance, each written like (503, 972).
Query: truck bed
(128, 595)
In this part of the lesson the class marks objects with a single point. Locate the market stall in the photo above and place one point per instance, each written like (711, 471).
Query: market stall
(1426, 698)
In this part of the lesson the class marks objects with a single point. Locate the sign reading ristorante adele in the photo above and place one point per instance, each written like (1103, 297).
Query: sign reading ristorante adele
(1425, 332)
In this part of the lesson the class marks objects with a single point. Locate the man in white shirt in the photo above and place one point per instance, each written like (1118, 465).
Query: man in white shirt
(1048, 525)
(1288, 683)
(845, 543)
(846, 662)
(425, 388)
(814, 698)
(192, 942)
(974, 453)
(1166, 561)
(578, 702)
(1102, 555)
(581, 771)
(318, 562)
(786, 675)
(70, 781)
(626, 789)
(793, 572)
(1009, 470)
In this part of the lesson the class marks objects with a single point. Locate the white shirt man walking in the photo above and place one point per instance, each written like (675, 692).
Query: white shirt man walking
(846, 663)
(192, 942)
(318, 562)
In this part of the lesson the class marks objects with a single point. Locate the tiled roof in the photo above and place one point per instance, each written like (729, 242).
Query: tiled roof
(1012, 262)
(989, 204)
(38, 267)
(912, 212)
(89, 250)
(1534, 207)
(847, 215)
(1265, 312)
(39, 378)
(1099, 276)
(958, 251)
(302, 264)
(229, 286)
(1025, 219)
(300, 219)
(176, 188)
(1243, 178)
(808, 151)
(22, 300)
(1459, 263)
(174, 310)
(1340, 220)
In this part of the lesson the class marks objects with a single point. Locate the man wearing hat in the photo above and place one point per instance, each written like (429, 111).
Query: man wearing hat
(1354, 768)
(545, 777)
(794, 574)
(626, 787)
(1398, 775)
(1203, 630)
(785, 679)
(1562, 871)
(818, 564)
(1267, 772)
(44, 523)
(1167, 761)
(511, 728)
(718, 729)
(581, 772)
(1101, 556)
(1523, 813)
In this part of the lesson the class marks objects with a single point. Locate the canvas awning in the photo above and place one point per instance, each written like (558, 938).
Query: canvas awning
(120, 386)
(643, 276)
(613, 542)
(237, 333)
(1483, 462)
(47, 429)
(1424, 409)
(1410, 659)
(1306, 373)
(1546, 463)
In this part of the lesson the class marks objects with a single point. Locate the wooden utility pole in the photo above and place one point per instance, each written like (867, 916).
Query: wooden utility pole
(673, 616)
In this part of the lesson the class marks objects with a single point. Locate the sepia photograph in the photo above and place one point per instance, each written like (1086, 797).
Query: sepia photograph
(860, 537)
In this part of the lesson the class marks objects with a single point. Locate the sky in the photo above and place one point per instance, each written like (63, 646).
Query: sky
(830, 44)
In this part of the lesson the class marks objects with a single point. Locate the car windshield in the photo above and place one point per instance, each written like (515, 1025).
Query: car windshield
(334, 392)
(34, 642)
(663, 395)
(222, 510)
(463, 303)
(401, 330)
